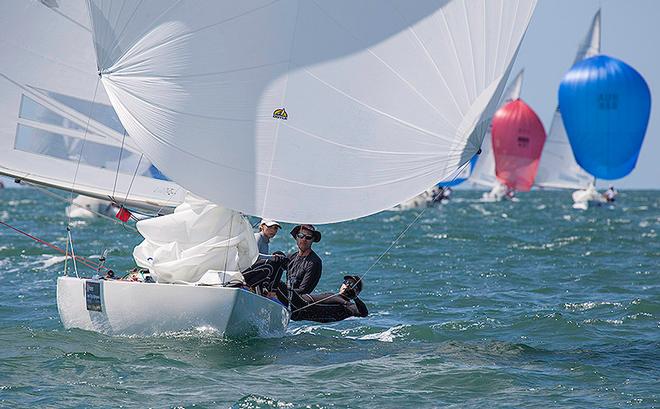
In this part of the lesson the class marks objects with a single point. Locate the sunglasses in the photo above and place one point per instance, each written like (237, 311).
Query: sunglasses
(350, 283)
(304, 236)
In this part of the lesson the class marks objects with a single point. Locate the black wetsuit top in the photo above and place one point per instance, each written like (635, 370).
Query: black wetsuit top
(304, 272)
(329, 307)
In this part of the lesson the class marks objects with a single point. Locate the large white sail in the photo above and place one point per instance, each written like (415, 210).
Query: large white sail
(558, 168)
(57, 126)
(483, 173)
(306, 110)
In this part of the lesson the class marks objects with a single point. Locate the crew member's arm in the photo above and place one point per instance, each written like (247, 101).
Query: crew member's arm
(359, 309)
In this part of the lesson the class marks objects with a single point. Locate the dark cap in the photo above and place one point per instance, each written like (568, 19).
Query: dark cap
(308, 227)
(358, 283)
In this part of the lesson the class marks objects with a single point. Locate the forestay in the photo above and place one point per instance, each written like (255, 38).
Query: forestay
(307, 111)
(55, 113)
(558, 168)
(484, 170)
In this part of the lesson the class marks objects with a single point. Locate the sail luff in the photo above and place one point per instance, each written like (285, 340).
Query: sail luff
(483, 173)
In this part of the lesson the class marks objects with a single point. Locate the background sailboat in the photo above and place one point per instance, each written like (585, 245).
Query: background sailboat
(558, 168)
(606, 106)
(381, 101)
(518, 138)
(57, 127)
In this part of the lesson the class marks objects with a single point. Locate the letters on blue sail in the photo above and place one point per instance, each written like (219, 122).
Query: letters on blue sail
(605, 105)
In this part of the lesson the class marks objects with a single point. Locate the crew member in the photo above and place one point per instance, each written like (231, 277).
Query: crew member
(267, 230)
(610, 194)
(304, 266)
(330, 307)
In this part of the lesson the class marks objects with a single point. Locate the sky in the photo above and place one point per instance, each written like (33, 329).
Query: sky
(630, 32)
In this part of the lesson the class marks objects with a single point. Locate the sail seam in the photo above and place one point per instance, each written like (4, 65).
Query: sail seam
(442, 77)
(471, 53)
(427, 132)
(456, 57)
(390, 68)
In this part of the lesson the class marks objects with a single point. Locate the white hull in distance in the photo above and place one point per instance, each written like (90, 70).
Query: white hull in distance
(117, 307)
(583, 199)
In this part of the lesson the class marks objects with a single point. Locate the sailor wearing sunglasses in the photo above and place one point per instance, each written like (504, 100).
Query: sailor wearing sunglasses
(304, 266)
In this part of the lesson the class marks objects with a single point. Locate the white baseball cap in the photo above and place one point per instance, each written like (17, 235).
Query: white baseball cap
(270, 223)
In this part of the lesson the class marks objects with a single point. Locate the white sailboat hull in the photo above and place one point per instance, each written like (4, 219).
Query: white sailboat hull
(117, 307)
(583, 199)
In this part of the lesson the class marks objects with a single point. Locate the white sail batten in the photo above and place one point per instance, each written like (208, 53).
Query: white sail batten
(483, 173)
(557, 167)
(307, 111)
(56, 121)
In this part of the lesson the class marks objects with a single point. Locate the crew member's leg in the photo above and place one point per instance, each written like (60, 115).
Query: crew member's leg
(265, 275)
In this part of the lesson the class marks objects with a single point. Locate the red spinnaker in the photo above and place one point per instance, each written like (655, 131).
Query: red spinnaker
(518, 138)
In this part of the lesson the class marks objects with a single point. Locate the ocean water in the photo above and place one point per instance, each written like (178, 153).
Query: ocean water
(524, 304)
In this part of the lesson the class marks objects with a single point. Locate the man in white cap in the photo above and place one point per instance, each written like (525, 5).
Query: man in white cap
(267, 230)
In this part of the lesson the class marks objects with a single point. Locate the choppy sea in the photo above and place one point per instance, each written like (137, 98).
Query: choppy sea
(525, 304)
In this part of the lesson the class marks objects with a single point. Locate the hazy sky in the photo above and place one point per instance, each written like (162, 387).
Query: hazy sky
(630, 32)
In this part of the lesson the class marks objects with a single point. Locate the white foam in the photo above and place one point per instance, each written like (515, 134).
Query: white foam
(386, 336)
(51, 261)
(590, 305)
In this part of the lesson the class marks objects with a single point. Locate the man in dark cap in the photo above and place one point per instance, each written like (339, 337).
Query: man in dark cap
(330, 307)
(304, 267)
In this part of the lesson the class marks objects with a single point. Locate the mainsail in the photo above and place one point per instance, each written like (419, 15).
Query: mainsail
(484, 170)
(57, 126)
(307, 111)
(558, 168)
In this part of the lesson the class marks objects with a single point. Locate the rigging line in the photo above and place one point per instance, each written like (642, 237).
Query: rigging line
(224, 269)
(87, 262)
(89, 118)
(132, 180)
(460, 169)
(70, 241)
(121, 151)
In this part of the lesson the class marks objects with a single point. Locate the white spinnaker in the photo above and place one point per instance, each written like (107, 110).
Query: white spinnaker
(558, 168)
(48, 88)
(384, 98)
(483, 173)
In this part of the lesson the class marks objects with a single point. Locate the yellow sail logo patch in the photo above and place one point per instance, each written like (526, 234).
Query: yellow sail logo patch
(280, 113)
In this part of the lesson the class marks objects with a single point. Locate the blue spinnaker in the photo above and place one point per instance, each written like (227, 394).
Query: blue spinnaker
(605, 104)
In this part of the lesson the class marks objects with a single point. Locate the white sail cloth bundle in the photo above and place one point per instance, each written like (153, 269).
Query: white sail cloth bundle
(198, 237)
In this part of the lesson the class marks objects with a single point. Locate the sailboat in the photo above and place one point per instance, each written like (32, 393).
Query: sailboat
(57, 127)
(606, 106)
(483, 173)
(295, 111)
(558, 168)
(438, 194)
(518, 138)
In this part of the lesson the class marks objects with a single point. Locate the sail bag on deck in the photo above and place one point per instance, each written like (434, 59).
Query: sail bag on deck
(198, 237)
